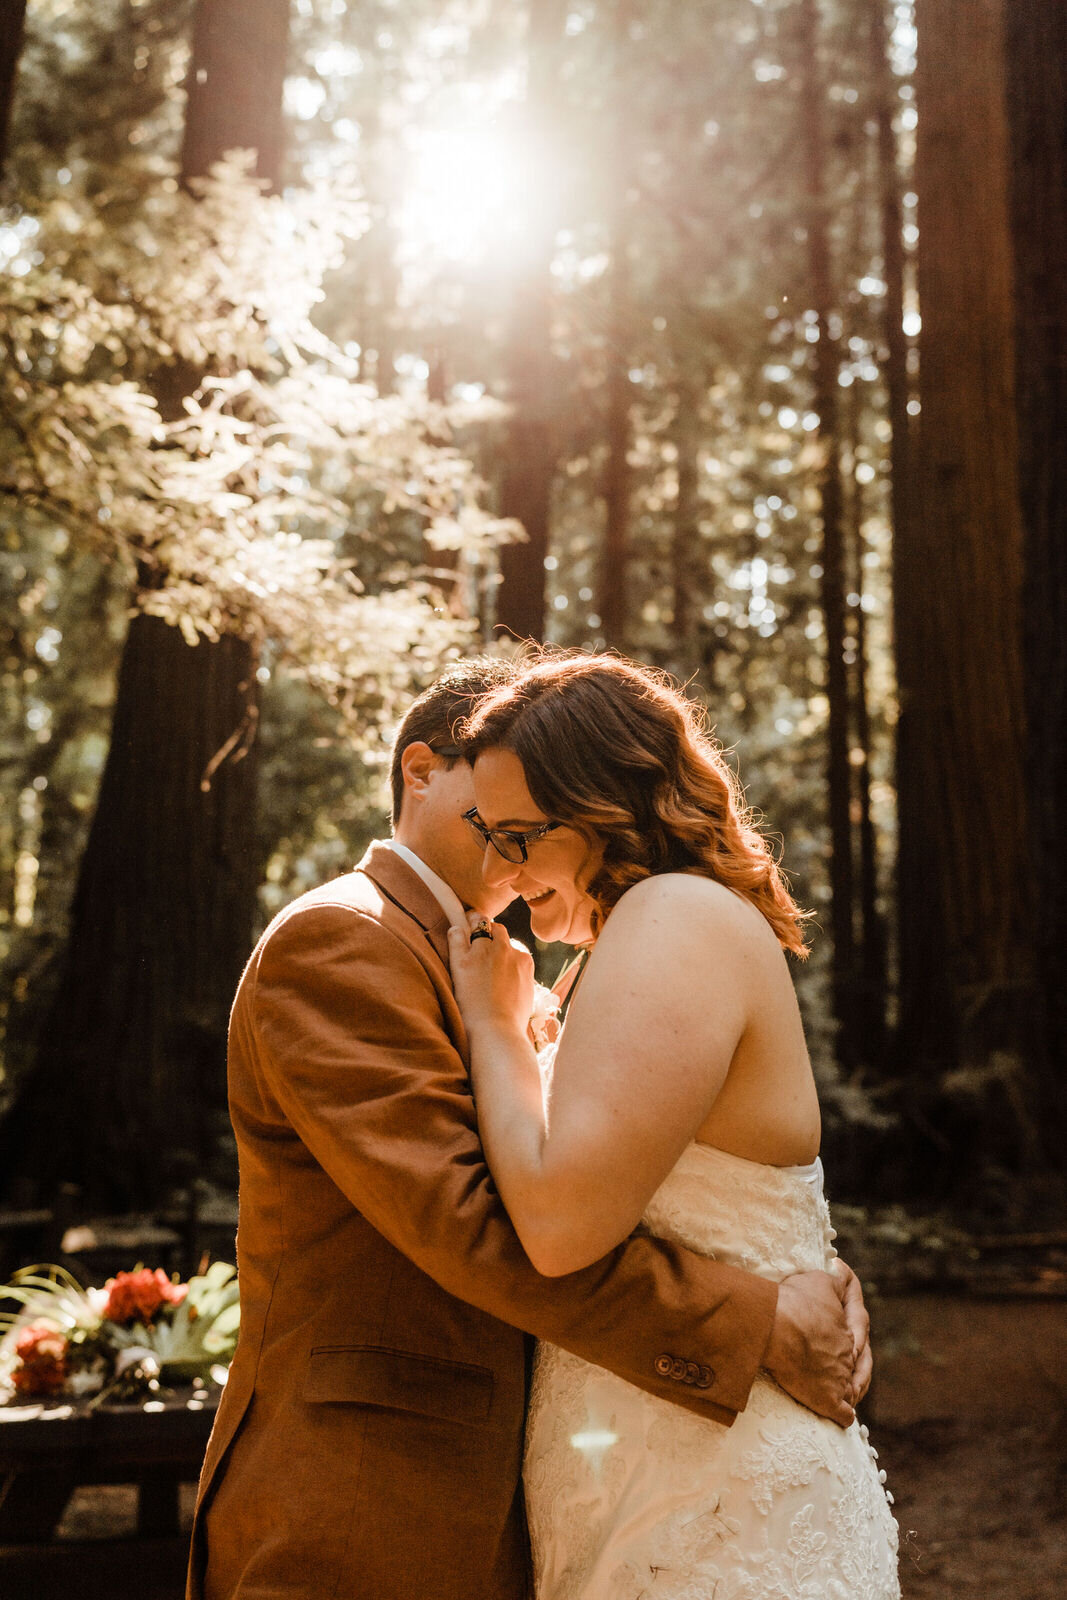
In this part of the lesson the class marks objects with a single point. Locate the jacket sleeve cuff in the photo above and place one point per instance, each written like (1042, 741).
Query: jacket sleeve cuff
(756, 1303)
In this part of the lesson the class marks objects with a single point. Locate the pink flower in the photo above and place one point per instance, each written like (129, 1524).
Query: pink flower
(138, 1296)
(42, 1353)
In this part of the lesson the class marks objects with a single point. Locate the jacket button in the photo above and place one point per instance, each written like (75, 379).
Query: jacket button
(706, 1378)
(678, 1368)
(692, 1372)
(663, 1366)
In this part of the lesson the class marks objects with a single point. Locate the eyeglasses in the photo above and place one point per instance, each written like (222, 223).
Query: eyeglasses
(512, 846)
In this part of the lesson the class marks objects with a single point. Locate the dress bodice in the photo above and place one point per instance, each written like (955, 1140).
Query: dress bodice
(769, 1220)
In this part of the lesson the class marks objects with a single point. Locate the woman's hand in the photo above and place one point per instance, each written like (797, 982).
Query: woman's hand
(492, 977)
(494, 985)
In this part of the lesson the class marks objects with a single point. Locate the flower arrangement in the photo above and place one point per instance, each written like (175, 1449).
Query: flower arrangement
(140, 1329)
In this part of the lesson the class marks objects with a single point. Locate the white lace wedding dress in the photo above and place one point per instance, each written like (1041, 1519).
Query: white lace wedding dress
(632, 1498)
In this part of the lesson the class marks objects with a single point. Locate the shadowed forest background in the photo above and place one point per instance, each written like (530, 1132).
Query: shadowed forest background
(340, 338)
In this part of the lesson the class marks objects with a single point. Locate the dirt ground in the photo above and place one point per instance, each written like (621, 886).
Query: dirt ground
(969, 1417)
(981, 1512)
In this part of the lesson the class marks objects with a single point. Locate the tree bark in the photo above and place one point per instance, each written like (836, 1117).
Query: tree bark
(871, 965)
(919, 934)
(531, 450)
(613, 584)
(686, 578)
(1036, 62)
(614, 589)
(12, 29)
(130, 1070)
(825, 402)
(387, 314)
(961, 769)
(235, 84)
(130, 1078)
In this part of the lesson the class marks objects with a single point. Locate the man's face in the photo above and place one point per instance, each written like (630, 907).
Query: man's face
(435, 798)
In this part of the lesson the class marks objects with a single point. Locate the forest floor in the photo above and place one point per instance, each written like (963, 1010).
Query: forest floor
(982, 1506)
(982, 1511)
(968, 1412)
(968, 1409)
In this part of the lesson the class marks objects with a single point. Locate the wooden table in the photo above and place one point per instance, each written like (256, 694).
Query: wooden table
(49, 1449)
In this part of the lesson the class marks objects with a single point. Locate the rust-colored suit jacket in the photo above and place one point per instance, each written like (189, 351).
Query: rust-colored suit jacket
(368, 1443)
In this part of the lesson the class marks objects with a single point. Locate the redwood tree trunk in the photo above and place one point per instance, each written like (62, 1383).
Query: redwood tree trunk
(686, 543)
(825, 397)
(871, 968)
(919, 933)
(235, 83)
(1036, 60)
(130, 1078)
(131, 1067)
(531, 451)
(614, 588)
(12, 27)
(379, 332)
(961, 770)
(613, 584)
(387, 314)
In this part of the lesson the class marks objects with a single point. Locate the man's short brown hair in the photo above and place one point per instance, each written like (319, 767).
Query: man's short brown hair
(436, 714)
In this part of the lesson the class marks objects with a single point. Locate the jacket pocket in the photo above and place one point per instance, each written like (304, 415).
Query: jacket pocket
(368, 1375)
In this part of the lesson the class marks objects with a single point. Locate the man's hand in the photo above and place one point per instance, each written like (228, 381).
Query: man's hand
(819, 1349)
(860, 1327)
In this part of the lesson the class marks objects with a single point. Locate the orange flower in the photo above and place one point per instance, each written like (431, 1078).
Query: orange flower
(138, 1296)
(42, 1353)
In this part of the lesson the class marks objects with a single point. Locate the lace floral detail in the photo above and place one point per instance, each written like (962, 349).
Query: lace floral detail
(632, 1498)
(789, 1231)
(786, 1457)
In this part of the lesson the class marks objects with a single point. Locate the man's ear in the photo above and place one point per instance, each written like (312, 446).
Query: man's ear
(416, 763)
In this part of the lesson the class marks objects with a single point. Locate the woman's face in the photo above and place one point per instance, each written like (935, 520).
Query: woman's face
(553, 879)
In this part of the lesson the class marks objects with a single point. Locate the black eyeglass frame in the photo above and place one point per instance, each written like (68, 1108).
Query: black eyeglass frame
(519, 840)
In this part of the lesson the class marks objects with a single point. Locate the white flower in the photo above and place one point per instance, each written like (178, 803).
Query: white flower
(137, 1355)
(544, 1021)
(98, 1299)
(85, 1380)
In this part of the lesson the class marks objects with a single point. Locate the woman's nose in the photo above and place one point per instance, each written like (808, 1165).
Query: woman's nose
(495, 870)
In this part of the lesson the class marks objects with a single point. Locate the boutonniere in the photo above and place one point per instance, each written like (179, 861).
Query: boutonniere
(544, 1019)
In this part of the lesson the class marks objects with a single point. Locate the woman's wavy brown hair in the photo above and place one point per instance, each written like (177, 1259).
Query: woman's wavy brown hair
(616, 751)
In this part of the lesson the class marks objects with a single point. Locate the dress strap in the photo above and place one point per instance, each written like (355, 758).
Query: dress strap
(573, 976)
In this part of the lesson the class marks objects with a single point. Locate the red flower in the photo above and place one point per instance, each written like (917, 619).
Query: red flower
(42, 1352)
(138, 1296)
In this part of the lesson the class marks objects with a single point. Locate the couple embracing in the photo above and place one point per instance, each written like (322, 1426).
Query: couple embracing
(422, 1191)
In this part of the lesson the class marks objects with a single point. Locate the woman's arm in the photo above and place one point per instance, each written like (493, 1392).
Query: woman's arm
(648, 1043)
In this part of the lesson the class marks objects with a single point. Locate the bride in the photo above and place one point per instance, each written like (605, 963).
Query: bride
(680, 1098)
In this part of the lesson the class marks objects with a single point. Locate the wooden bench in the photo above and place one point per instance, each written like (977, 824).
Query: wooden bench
(49, 1449)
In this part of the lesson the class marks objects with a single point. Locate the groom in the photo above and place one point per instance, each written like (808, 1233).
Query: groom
(369, 1440)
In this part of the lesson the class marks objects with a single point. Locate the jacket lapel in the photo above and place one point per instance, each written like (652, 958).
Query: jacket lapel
(407, 891)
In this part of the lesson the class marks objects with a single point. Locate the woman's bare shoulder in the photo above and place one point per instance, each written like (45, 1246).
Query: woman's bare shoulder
(689, 898)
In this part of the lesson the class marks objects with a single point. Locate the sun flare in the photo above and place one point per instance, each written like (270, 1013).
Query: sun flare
(464, 194)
